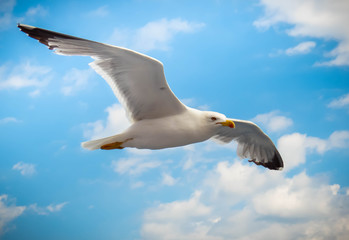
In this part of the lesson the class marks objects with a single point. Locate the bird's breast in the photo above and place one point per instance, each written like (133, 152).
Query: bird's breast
(165, 133)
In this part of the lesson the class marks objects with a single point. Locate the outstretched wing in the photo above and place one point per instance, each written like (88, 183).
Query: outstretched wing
(253, 143)
(138, 81)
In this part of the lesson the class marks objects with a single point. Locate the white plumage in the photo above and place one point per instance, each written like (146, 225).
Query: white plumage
(159, 119)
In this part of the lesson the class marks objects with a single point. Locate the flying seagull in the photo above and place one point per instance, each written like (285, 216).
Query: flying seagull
(159, 119)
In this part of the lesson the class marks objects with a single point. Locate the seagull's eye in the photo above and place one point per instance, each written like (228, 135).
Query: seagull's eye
(213, 118)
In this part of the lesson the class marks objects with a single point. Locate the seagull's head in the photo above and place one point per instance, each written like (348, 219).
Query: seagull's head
(218, 119)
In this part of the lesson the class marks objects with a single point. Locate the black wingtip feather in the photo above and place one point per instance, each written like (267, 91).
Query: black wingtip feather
(42, 35)
(276, 162)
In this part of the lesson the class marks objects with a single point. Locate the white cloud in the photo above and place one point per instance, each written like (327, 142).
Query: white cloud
(273, 121)
(302, 48)
(270, 193)
(115, 123)
(298, 194)
(134, 166)
(155, 35)
(35, 93)
(139, 152)
(325, 19)
(26, 169)
(341, 102)
(195, 154)
(56, 207)
(7, 18)
(235, 182)
(339, 139)
(257, 204)
(8, 212)
(36, 11)
(177, 220)
(137, 184)
(168, 180)
(294, 147)
(100, 12)
(75, 80)
(7, 6)
(191, 102)
(24, 75)
(9, 120)
(52, 208)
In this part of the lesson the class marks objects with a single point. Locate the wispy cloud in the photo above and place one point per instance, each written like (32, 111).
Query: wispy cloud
(134, 166)
(35, 93)
(37, 11)
(56, 207)
(168, 180)
(100, 12)
(191, 102)
(75, 80)
(273, 121)
(52, 208)
(302, 48)
(309, 18)
(8, 212)
(340, 102)
(155, 35)
(338, 139)
(9, 120)
(7, 18)
(26, 169)
(24, 75)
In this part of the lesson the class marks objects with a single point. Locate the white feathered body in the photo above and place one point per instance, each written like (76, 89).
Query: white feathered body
(173, 131)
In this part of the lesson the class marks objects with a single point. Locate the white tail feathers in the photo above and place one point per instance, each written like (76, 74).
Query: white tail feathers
(96, 144)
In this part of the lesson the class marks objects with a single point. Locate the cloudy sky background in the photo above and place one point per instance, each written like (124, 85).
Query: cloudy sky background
(282, 64)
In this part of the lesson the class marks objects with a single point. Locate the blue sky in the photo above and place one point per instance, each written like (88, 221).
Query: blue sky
(281, 64)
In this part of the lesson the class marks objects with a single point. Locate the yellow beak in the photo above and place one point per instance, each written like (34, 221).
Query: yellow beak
(228, 123)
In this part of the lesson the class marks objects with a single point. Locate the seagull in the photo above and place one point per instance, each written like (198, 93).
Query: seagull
(159, 119)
